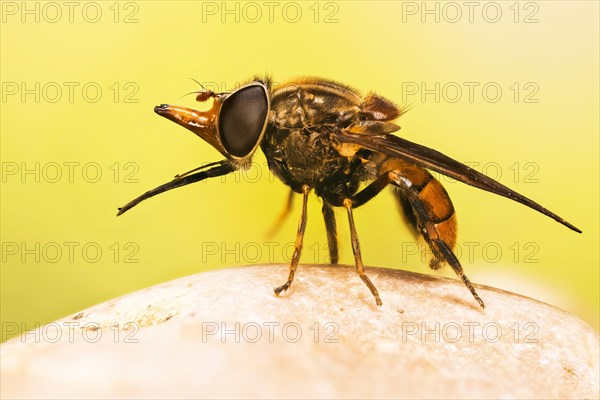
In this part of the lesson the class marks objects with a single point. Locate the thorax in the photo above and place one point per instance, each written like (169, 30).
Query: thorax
(299, 144)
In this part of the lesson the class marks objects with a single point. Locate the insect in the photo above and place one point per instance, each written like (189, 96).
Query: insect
(324, 136)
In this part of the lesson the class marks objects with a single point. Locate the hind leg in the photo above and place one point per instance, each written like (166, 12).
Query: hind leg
(434, 216)
(431, 209)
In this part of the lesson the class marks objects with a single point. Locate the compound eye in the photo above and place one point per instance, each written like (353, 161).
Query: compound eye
(242, 118)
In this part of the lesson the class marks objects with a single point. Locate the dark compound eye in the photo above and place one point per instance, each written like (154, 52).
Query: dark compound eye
(242, 118)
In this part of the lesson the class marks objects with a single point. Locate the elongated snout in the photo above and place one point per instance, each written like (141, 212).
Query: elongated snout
(202, 123)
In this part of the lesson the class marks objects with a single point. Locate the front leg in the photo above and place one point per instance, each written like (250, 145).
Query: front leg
(298, 244)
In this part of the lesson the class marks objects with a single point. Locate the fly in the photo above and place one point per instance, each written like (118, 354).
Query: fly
(322, 136)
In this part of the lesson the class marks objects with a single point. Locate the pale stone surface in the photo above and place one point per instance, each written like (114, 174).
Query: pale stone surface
(225, 334)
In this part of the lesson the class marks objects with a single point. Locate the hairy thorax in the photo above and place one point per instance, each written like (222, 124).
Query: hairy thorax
(299, 143)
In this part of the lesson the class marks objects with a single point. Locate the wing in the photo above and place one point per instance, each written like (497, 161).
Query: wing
(436, 161)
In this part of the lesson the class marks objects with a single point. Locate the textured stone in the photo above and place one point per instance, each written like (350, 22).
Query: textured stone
(225, 334)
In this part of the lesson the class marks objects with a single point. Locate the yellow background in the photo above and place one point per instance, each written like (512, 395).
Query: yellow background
(377, 46)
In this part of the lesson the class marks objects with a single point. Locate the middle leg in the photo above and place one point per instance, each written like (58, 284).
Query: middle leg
(331, 228)
(360, 269)
(350, 201)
